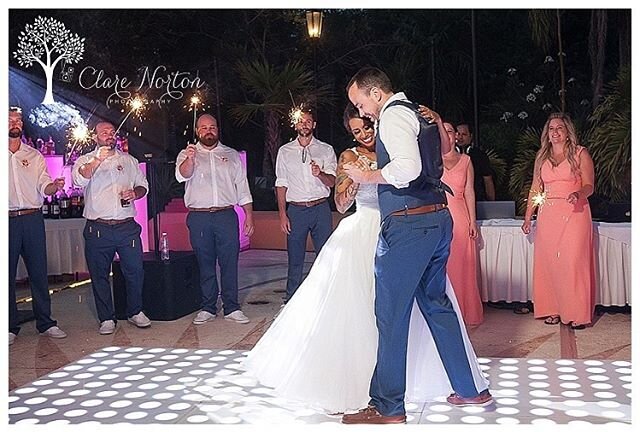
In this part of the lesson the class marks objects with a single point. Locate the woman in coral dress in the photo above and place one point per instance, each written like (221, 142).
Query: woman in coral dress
(321, 349)
(563, 272)
(462, 267)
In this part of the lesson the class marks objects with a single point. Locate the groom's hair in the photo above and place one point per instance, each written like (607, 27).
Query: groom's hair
(369, 77)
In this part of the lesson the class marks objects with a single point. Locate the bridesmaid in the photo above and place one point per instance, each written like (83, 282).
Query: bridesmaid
(563, 272)
(462, 266)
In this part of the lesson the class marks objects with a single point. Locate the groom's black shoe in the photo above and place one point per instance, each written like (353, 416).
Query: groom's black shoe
(370, 415)
(483, 399)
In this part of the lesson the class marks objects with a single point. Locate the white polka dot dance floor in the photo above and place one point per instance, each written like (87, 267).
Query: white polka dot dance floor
(168, 386)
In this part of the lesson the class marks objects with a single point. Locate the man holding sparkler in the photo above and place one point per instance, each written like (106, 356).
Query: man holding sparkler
(215, 181)
(112, 181)
(29, 181)
(305, 174)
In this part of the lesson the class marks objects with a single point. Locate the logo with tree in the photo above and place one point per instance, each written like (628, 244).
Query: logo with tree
(47, 42)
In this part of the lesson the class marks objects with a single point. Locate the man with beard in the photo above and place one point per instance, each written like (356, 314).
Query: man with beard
(412, 251)
(29, 182)
(483, 184)
(305, 173)
(112, 180)
(215, 180)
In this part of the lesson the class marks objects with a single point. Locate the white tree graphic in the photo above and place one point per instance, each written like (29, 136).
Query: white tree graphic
(47, 41)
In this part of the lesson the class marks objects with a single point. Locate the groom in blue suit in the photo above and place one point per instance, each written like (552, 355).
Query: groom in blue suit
(412, 251)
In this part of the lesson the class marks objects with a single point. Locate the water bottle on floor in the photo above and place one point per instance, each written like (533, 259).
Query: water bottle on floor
(164, 247)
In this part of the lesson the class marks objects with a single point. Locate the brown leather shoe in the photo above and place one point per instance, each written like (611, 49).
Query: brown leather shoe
(483, 399)
(370, 415)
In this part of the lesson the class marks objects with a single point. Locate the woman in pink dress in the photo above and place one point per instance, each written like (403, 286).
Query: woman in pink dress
(563, 272)
(463, 263)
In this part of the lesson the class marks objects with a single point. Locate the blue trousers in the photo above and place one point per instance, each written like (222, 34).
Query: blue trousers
(215, 238)
(411, 259)
(27, 238)
(316, 220)
(101, 242)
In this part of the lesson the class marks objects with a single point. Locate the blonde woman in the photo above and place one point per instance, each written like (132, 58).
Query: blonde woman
(563, 179)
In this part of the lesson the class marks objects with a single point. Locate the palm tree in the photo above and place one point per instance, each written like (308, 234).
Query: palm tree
(545, 24)
(498, 165)
(610, 139)
(522, 169)
(542, 28)
(270, 92)
(597, 48)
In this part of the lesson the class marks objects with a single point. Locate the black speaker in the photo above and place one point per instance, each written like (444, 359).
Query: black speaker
(171, 288)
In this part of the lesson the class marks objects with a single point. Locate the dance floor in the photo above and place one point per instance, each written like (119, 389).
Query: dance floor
(134, 385)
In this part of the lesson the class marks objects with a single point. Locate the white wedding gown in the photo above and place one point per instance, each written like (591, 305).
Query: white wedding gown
(321, 349)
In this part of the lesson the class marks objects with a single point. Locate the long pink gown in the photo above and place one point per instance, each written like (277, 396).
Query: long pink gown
(563, 271)
(462, 266)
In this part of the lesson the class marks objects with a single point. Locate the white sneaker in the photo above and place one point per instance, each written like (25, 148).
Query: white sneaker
(54, 332)
(237, 316)
(107, 327)
(139, 320)
(203, 317)
(12, 338)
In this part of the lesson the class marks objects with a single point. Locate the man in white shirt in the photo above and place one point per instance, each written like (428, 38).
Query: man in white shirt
(215, 180)
(412, 251)
(112, 180)
(29, 182)
(305, 174)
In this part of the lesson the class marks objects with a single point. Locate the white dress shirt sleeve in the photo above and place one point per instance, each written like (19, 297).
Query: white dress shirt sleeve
(331, 165)
(241, 183)
(181, 157)
(399, 129)
(139, 178)
(281, 169)
(79, 179)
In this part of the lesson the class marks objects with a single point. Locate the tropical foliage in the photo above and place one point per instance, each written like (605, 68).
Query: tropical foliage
(271, 91)
(552, 60)
(522, 168)
(610, 140)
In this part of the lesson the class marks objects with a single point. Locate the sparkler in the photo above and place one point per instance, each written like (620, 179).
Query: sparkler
(136, 105)
(193, 106)
(79, 134)
(295, 115)
(539, 199)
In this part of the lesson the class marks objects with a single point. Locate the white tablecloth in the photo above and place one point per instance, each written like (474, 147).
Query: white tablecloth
(65, 247)
(506, 261)
(505, 254)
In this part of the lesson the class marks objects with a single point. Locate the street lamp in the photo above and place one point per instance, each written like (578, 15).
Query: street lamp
(314, 23)
(314, 28)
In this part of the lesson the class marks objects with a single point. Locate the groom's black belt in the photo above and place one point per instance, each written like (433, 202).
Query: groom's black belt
(308, 203)
(429, 208)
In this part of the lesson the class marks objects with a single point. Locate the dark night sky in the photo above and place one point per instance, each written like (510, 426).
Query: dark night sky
(120, 42)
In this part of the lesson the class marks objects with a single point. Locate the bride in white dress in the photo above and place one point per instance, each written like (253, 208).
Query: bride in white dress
(321, 349)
